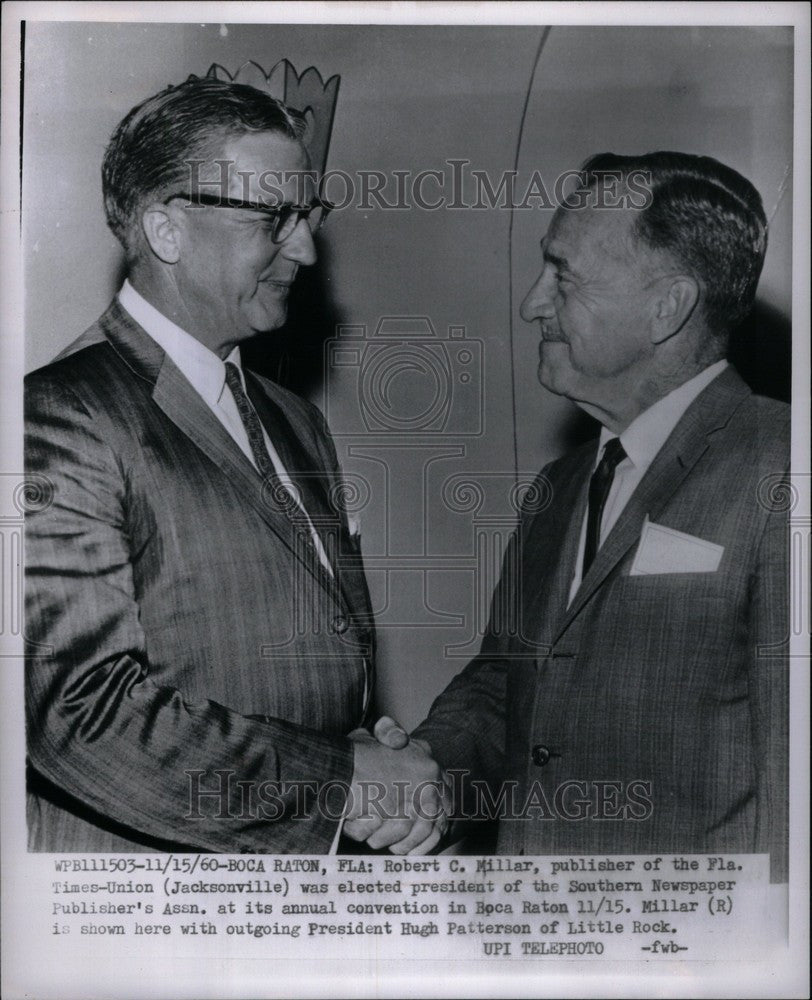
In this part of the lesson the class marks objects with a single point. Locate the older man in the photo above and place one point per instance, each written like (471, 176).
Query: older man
(639, 702)
(199, 608)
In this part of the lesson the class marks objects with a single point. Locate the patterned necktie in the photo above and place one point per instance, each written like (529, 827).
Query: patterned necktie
(599, 486)
(295, 495)
(306, 503)
(250, 421)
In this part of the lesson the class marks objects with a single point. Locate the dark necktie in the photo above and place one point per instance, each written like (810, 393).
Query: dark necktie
(599, 486)
(278, 494)
(250, 421)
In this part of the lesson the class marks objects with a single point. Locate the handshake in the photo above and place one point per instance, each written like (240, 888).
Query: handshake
(399, 798)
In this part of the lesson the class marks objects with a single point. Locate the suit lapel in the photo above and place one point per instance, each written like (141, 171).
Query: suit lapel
(712, 409)
(173, 393)
(550, 548)
(316, 483)
(308, 474)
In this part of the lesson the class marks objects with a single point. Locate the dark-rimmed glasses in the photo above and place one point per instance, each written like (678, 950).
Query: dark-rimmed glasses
(285, 217)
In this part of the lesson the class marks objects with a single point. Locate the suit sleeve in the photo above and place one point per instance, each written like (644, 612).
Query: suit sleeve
(465, 727)
(100, 728)
(769, 690)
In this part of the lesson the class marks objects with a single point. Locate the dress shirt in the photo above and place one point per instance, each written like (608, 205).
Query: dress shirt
(642, 440)
(206, 373)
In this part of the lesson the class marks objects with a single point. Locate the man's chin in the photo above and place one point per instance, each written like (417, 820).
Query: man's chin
(551, 379)
(270, 306)
(266, 321)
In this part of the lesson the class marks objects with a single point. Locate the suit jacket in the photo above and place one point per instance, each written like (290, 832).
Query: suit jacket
(663, 695)
(186, 638)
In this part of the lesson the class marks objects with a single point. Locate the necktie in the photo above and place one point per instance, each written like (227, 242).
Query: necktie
(599, 486)
(250, 421)
(307, 500)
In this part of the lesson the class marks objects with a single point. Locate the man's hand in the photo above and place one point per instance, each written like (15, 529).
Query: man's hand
(396, 795)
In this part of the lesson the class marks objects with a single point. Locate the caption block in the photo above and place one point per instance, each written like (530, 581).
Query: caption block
(657, 907)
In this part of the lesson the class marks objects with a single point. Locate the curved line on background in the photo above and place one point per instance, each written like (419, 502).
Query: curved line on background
(545, 34)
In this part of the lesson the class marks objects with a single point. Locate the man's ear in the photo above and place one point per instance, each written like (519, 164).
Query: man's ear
(162, 231)
(676, 299)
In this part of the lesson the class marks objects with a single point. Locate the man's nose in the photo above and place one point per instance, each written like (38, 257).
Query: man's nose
(299, 246)
(538, 303)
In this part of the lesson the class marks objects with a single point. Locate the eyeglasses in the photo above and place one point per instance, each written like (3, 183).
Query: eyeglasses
(285, 217)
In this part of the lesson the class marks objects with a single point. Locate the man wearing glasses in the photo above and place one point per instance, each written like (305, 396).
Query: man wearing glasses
(195, 599)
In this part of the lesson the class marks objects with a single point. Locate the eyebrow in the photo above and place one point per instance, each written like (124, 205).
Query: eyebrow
(560, 262)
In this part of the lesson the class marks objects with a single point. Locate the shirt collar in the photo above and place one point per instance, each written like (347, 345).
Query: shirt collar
(201, 366)
(649, 431)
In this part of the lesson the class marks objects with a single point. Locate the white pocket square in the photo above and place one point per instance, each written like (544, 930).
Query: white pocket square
(664, 550)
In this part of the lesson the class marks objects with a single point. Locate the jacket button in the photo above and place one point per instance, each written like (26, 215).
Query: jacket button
(340, 625)
(540, 755)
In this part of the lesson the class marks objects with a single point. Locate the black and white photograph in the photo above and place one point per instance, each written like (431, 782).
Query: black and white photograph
(405, 500)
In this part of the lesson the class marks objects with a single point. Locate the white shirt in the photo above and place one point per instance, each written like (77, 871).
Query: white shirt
(642, 440)
(206, 373)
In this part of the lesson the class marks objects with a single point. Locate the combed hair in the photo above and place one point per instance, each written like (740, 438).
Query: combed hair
(149, 151)
(707, 216)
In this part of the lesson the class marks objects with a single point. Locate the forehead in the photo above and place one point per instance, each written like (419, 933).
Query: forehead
(586, 234)
(255, 153)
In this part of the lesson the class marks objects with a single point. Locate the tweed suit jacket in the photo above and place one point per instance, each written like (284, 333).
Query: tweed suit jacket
(667, 693)
(186, 638)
